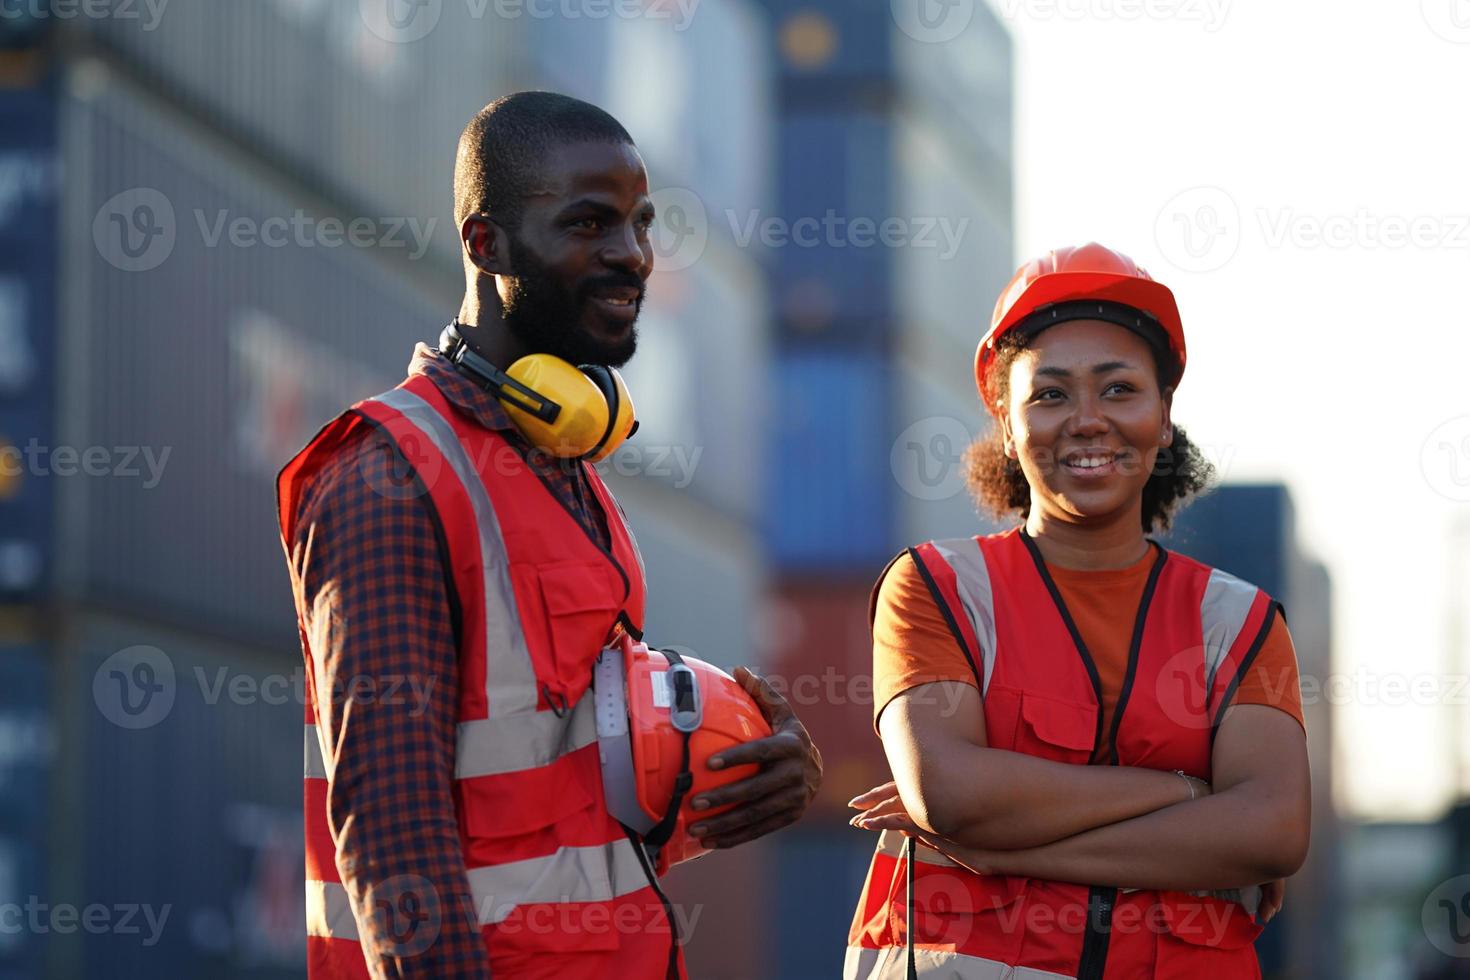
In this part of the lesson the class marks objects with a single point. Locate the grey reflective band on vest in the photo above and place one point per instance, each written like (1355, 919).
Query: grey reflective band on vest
(496, 746)
(891, 843)
(316, 766)
(973, 580)
(510, 678)
(328, 912)
(1222, 612)
(599, 873)
(891, 963)
(529, 740)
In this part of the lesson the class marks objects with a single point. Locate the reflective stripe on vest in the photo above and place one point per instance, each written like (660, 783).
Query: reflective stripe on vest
(495, 746)
(599, 873)
(511, 686)
(891, 963)
(1222, 613)
(972, 582)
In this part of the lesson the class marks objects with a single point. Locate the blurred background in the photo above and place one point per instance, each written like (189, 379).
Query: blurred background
(221, 221)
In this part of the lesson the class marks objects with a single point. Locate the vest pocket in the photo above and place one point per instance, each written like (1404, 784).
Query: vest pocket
(1204, 937)
(1049, 728)
(527, 805)
(581, 608)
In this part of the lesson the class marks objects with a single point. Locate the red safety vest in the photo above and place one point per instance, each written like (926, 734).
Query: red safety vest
(559, 890)
(1197, 631)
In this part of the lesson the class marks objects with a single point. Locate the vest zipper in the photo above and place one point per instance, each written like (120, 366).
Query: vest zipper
(1099, 930)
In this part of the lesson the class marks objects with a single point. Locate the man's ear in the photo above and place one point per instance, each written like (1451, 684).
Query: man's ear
(486, 244)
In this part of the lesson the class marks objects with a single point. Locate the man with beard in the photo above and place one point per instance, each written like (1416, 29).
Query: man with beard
(454, 582)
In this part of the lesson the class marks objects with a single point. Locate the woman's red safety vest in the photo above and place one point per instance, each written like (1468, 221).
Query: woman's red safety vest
(559, 890)
(1195, 635)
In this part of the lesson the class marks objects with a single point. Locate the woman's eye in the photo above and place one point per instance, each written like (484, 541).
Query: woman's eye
(1041, 395)
(1121, 385)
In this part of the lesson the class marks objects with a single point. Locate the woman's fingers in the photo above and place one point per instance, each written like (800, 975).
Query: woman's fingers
(1273, 896)
(881, 809)
(875, 795)
(893, 821)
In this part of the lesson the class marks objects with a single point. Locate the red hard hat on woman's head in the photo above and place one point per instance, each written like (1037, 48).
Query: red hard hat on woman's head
(1064, 285)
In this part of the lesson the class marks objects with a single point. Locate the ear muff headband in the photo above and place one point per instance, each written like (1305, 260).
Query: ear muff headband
(506, 388)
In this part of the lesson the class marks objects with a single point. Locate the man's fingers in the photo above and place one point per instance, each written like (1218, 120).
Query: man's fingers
(875, 795)
(750, 814)
(760, 785)
(771, 703)
(772, 748)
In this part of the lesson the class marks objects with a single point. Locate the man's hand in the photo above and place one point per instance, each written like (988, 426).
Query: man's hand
(791, 772)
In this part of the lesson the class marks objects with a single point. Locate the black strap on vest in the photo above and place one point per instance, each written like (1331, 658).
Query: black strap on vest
(646, 863)
(683, 697)
(910, 850)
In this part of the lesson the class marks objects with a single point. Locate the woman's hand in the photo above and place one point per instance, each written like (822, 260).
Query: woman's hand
(1273, 894)
(880, 801)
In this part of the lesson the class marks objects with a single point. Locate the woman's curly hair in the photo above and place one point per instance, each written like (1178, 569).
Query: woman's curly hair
(999, 486)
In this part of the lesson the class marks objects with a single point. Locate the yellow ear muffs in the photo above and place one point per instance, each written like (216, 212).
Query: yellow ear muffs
(569, 412)
(621, 420)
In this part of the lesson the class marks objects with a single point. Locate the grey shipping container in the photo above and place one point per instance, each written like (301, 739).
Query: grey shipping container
(362, 99)
(195, 359)
(179, 834)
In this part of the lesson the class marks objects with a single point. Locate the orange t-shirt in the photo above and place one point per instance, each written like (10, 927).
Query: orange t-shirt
(913, 645)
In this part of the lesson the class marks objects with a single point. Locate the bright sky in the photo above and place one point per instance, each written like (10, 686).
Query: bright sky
(1324, 276)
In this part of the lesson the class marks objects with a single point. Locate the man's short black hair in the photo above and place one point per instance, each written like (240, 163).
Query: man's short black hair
(505, 142)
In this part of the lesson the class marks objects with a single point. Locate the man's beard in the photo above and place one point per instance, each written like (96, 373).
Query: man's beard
(545, 317)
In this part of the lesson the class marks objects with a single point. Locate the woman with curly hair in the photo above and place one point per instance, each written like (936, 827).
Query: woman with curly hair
(1100, 769)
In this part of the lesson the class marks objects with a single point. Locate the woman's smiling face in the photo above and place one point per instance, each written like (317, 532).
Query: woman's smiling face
(1086, 419)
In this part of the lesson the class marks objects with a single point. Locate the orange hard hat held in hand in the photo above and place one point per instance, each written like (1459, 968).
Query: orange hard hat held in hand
(661, 715)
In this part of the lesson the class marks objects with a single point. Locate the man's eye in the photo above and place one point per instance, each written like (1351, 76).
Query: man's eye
(591, 224)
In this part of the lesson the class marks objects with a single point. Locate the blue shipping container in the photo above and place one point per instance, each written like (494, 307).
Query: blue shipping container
(829, 502)
(29, 187)
(186, 778)
(27, 750)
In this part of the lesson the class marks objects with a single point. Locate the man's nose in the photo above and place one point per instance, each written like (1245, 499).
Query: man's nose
(625, 251)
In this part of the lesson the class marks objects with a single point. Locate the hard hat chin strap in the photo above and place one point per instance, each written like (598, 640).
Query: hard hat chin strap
(660, 833)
